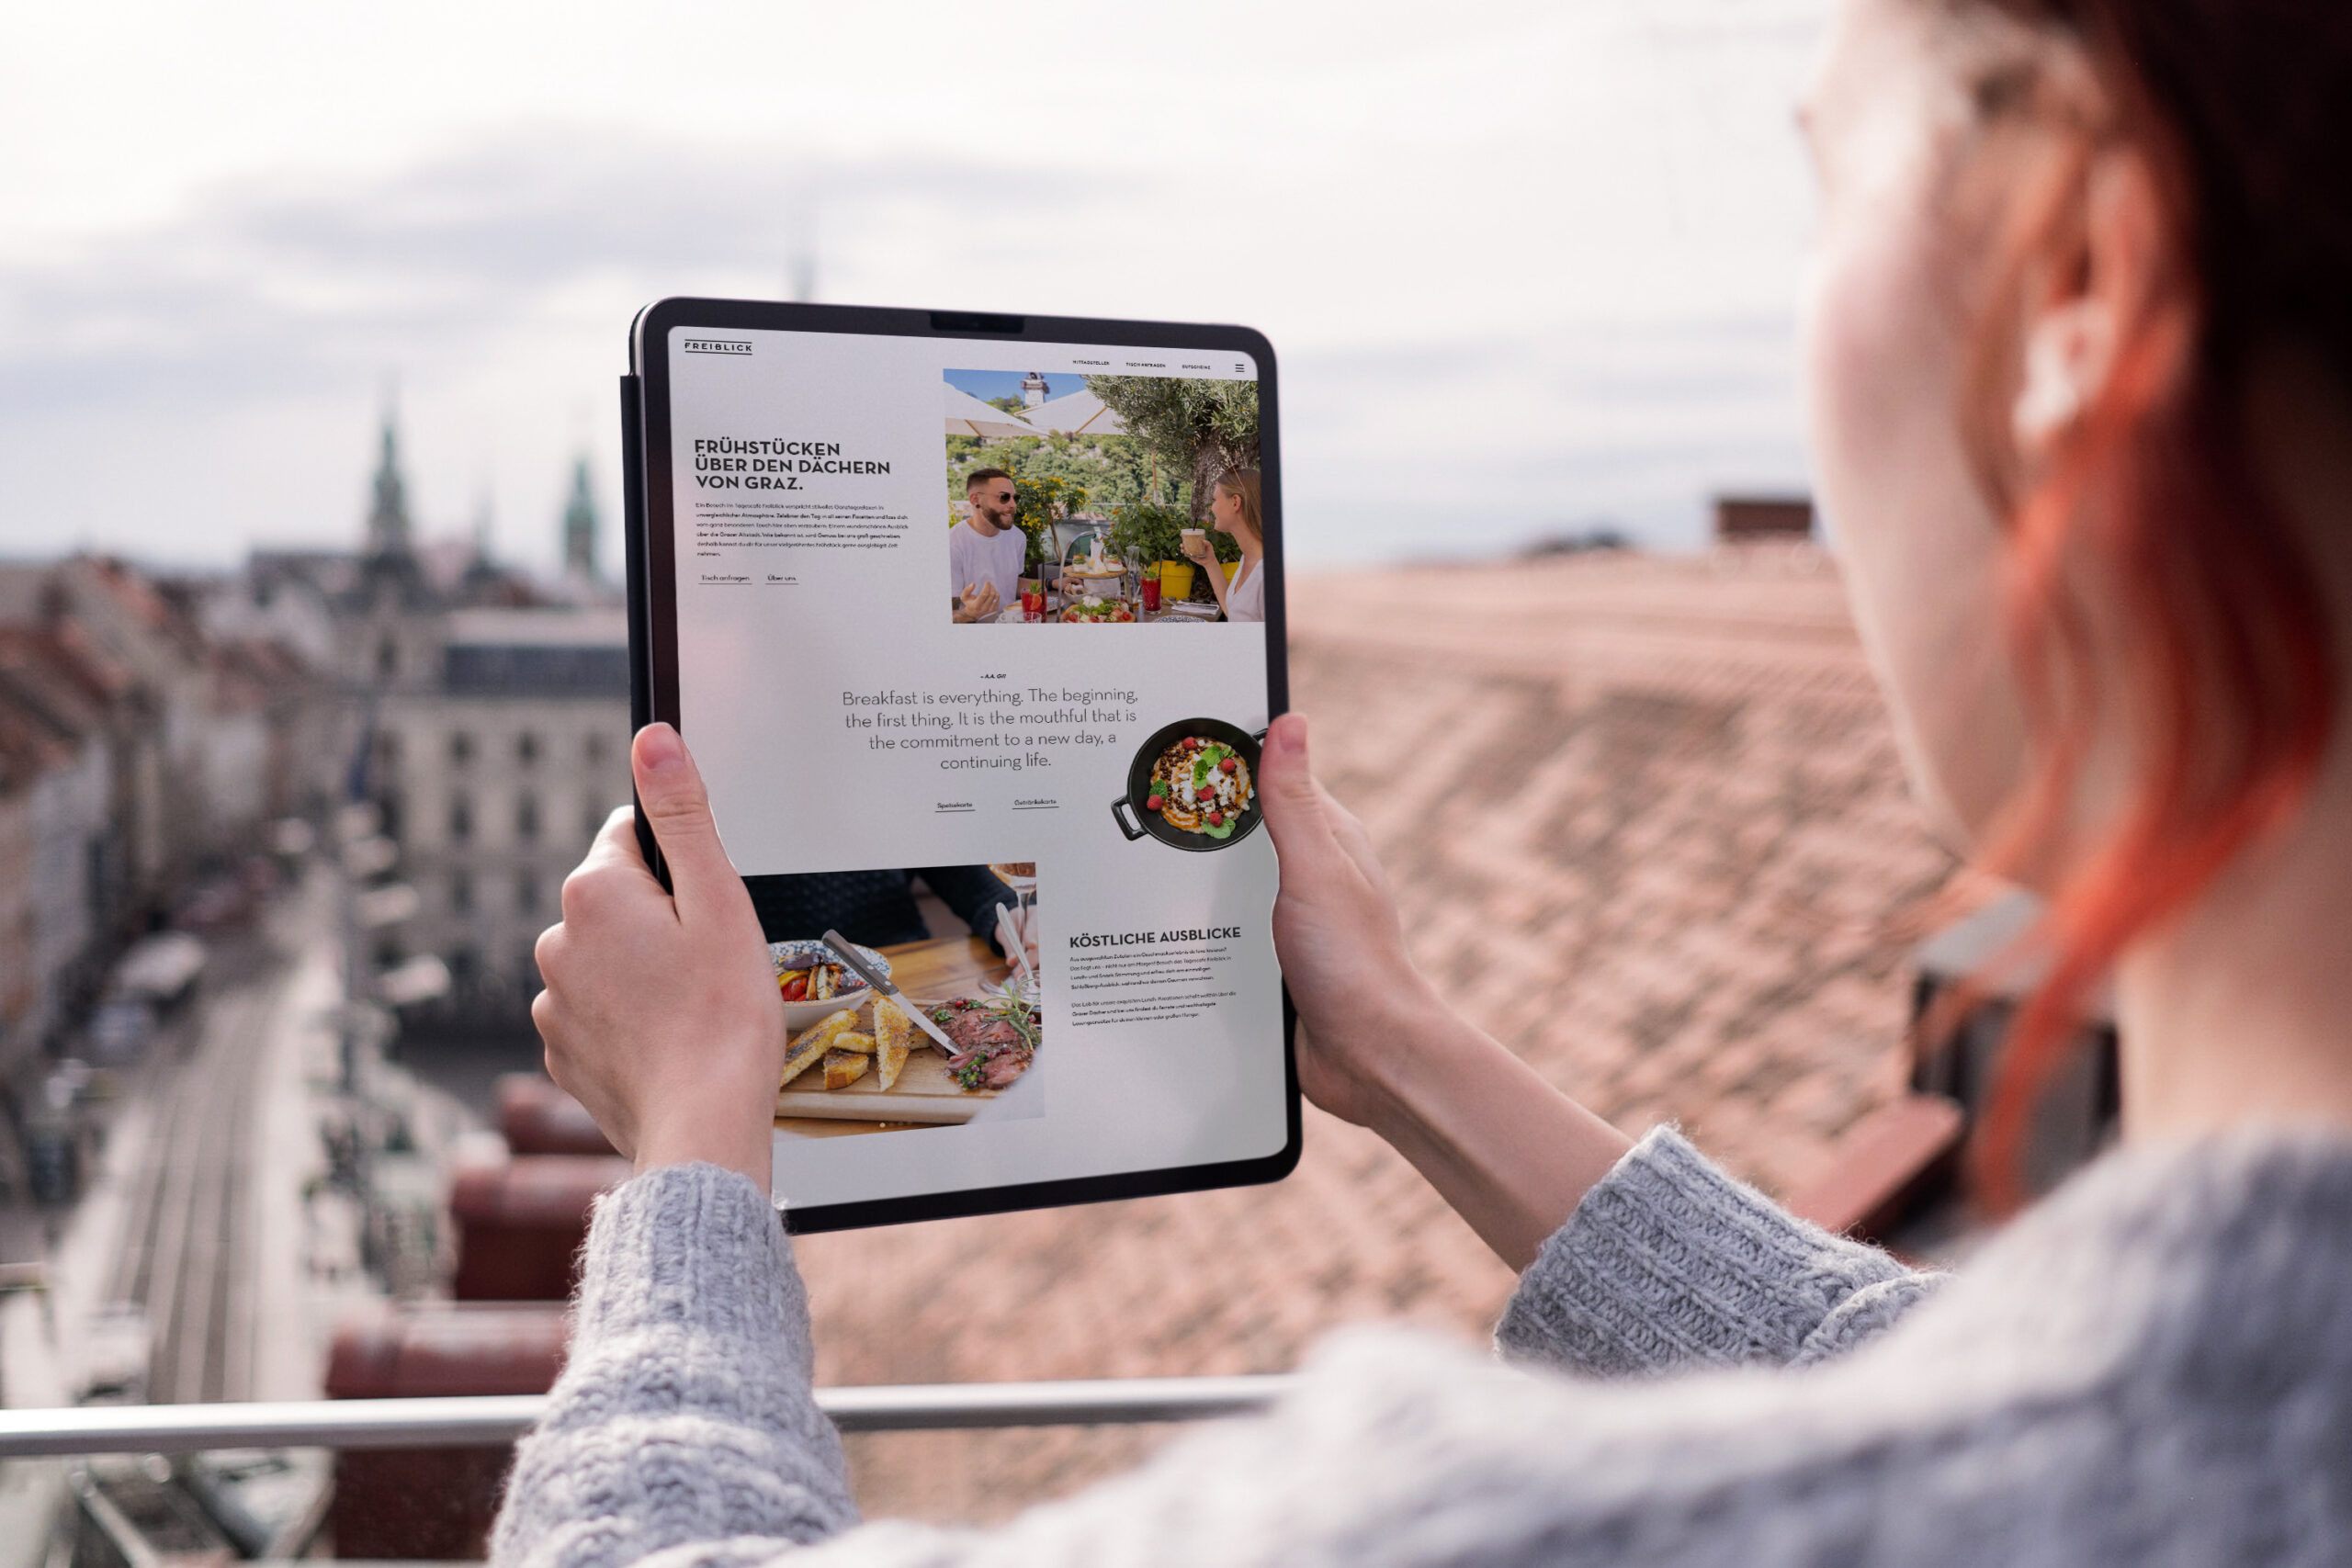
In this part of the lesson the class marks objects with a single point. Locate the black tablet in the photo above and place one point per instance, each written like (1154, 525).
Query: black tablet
(974, 624)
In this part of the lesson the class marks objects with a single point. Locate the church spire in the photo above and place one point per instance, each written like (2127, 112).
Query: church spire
(388, 524)
(579, 527)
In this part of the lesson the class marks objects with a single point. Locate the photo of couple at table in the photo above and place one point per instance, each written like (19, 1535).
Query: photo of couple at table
(960, 945)
(1103, 500)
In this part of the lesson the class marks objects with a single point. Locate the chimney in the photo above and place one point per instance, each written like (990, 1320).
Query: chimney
(1744, 517)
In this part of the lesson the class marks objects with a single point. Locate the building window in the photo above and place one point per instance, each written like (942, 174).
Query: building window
(461, 749)
(527, 748)
(592, 820)
(594, 749)
(388, 660)
(465, 971)
(461, 818)
(526, 892)
(526, 818)
(461, 893)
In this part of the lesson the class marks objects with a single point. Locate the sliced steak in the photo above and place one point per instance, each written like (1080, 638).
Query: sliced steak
(1005, 1066)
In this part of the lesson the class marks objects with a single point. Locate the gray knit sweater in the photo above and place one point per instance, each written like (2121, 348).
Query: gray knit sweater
(2154, 1367)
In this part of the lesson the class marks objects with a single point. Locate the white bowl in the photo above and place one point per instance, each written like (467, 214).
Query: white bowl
(790, 955)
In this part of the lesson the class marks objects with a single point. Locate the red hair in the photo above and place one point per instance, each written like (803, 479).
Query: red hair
(2240, 110)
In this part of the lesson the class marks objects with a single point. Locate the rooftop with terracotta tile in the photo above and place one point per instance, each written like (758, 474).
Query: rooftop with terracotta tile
(1647, 826)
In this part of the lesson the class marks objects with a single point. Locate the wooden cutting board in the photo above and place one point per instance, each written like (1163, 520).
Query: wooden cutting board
(924, 1091)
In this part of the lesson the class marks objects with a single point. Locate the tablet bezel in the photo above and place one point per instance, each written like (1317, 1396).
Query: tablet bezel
(651, 556)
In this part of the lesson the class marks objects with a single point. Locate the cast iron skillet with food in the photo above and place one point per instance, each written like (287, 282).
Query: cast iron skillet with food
(1203, 775)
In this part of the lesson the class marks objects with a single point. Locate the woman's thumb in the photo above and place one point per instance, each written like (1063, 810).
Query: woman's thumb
(670, 789)
(1293, 804)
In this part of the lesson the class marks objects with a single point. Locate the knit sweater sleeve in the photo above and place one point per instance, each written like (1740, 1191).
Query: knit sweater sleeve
(684, 1412)
(1669, 1264)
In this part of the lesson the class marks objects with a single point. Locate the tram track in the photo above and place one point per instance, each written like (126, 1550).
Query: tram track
(189, 1260)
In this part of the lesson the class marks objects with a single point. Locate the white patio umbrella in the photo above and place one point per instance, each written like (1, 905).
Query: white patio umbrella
(967, 415)
(1077, 414)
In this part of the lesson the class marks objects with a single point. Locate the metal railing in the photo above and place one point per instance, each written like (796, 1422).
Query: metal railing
(484, 1420)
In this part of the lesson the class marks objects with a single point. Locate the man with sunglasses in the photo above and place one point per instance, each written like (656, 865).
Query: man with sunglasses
(987, 550)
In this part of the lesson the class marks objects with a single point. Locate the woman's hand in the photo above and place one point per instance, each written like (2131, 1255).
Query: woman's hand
(1206, 556)
(1336, 933)
(661, 1013)
(1378, 1047)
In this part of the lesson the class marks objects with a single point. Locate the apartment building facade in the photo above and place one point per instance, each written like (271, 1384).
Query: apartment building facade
(487, 720)
(494, 745)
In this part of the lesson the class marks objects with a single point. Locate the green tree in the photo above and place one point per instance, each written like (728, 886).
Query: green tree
(1112, 471)
(1196, 429)
(1151, 528)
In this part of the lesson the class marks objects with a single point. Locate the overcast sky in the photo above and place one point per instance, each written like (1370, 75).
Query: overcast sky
(1527, 267)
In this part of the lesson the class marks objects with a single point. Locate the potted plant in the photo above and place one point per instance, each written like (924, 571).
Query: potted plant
(1039, 504)
(1155, 532)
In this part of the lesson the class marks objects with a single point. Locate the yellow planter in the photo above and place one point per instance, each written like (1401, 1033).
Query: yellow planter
(1231, 568)
(1175, 579)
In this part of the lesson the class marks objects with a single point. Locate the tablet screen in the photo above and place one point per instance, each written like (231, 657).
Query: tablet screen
(943, 689)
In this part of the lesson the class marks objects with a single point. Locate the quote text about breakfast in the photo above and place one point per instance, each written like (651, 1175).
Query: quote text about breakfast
(969, 730)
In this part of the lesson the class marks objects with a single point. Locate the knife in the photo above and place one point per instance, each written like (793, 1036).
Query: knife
(1009, 939)
(854, 962)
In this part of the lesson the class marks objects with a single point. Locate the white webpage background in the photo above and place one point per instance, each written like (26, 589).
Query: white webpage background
(762, 668)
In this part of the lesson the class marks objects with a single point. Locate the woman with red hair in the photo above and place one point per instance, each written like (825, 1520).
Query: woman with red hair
(2079, 348)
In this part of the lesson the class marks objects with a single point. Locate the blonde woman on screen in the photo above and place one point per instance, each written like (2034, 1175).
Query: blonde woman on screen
(1233, 509)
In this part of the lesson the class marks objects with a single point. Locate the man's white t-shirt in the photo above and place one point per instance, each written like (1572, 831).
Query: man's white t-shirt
(973, 560)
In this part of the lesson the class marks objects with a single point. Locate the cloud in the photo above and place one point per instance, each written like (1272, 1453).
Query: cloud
(189, 388)
(275, 290)
(1458, 362)
(1480, 444)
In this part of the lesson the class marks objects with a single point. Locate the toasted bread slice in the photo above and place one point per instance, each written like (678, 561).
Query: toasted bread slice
(845, 1065)
(802, 1058)
(815, 1040)
(893, 1034)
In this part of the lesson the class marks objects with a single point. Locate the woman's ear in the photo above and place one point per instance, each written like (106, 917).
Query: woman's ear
(2105, 278)
(2069, 349)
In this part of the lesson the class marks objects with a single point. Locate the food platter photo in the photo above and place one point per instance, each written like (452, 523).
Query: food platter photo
(868, 1061)
(1193, 786)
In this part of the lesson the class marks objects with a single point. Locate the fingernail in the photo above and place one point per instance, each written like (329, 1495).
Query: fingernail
(1290, 733)
(659, 748)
